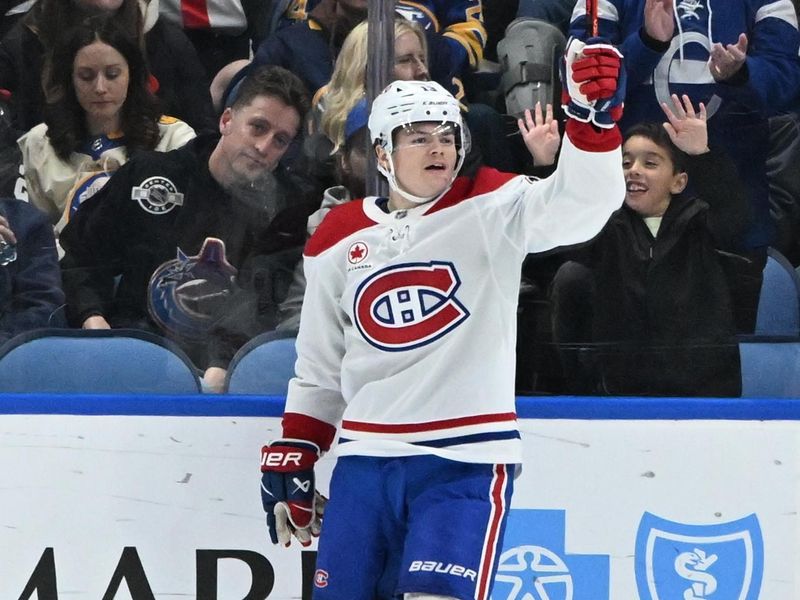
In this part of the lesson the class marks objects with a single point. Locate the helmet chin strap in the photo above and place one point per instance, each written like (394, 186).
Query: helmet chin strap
(395, 186)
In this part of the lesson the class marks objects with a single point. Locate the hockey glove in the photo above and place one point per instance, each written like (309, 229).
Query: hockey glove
(593, 82)
(287, 490)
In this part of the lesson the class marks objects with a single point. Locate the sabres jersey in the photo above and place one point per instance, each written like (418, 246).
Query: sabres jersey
(408, 326)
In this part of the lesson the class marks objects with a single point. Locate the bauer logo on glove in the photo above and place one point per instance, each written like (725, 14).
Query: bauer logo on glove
(293, 506)
(593, 82)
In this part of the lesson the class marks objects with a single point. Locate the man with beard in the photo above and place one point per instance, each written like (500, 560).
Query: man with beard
(170, 241)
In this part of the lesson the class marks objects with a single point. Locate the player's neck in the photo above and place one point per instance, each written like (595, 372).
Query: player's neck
(398, 202)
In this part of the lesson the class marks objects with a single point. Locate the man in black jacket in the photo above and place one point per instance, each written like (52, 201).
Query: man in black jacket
(647, 308)
(184, 236)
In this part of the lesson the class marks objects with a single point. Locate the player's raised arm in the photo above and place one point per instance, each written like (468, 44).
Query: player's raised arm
(574, 203)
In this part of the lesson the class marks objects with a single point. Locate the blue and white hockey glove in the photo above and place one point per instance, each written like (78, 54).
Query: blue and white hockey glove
(290, 500)
(593, 82)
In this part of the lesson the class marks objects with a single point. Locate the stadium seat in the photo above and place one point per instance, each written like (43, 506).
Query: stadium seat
(779, 301)
(95, 362)
(770, 367)
(264, 365)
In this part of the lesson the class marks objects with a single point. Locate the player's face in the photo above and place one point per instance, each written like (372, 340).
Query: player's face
(410, 62)
(425, 158)
(650, 178)
(100, 78)
(255, 137)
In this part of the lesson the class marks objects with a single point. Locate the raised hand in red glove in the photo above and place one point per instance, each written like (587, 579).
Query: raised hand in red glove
(593, 82)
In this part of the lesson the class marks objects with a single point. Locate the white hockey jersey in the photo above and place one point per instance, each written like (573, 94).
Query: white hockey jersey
(408, 326)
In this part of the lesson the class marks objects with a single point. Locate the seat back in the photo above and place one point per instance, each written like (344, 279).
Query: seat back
(95, 362)
(779, 301)
(770, 369)
(263, 366)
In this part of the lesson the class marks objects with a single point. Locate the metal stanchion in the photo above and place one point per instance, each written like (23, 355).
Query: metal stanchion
(380, 61)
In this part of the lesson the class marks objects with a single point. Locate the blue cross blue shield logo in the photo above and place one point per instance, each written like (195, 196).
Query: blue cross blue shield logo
(699, 562)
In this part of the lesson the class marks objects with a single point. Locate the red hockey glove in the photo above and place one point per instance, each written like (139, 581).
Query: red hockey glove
(292, 504)
(593, 82)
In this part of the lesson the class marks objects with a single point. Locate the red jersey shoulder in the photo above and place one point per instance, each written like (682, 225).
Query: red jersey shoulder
(484, 181)
(340, 222)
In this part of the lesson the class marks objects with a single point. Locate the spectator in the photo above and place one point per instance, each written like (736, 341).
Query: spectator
(348, 86)
(652, 293)
(309, 48)
(219, 204)
(348, 82)
(30, 280)
(740, 59)
(454, 28)
(99, 112)
(178, 77)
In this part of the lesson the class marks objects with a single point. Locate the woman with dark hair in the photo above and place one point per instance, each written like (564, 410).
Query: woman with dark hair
(179, 79)
(99, 111)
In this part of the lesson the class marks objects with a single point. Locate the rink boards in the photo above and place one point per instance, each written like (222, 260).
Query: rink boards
(157, 497)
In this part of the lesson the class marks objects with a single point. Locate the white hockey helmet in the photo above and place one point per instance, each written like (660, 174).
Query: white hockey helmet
(403, 103)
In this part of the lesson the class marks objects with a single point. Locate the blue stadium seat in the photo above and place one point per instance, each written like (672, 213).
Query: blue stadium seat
(264, 365)
(111, 361)
(779, 302)
(770, 367)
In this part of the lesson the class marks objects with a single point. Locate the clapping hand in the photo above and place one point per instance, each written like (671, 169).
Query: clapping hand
(725, 61)
(686, 128)
(540, 133)
(659, 20)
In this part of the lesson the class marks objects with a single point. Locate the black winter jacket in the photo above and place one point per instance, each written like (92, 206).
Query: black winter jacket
(664, 320)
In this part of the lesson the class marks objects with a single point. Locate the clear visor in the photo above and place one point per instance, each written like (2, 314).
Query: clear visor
(426, 136)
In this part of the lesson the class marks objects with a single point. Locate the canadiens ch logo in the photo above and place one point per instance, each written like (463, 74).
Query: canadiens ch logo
(357, 253)
(157, 195)
(407, 306)
(321, 578)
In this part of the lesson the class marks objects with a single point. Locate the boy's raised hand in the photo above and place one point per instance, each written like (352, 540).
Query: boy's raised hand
(685, 127)
(540, 133)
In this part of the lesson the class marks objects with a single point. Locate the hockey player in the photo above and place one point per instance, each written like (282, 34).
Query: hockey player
(406, 342)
